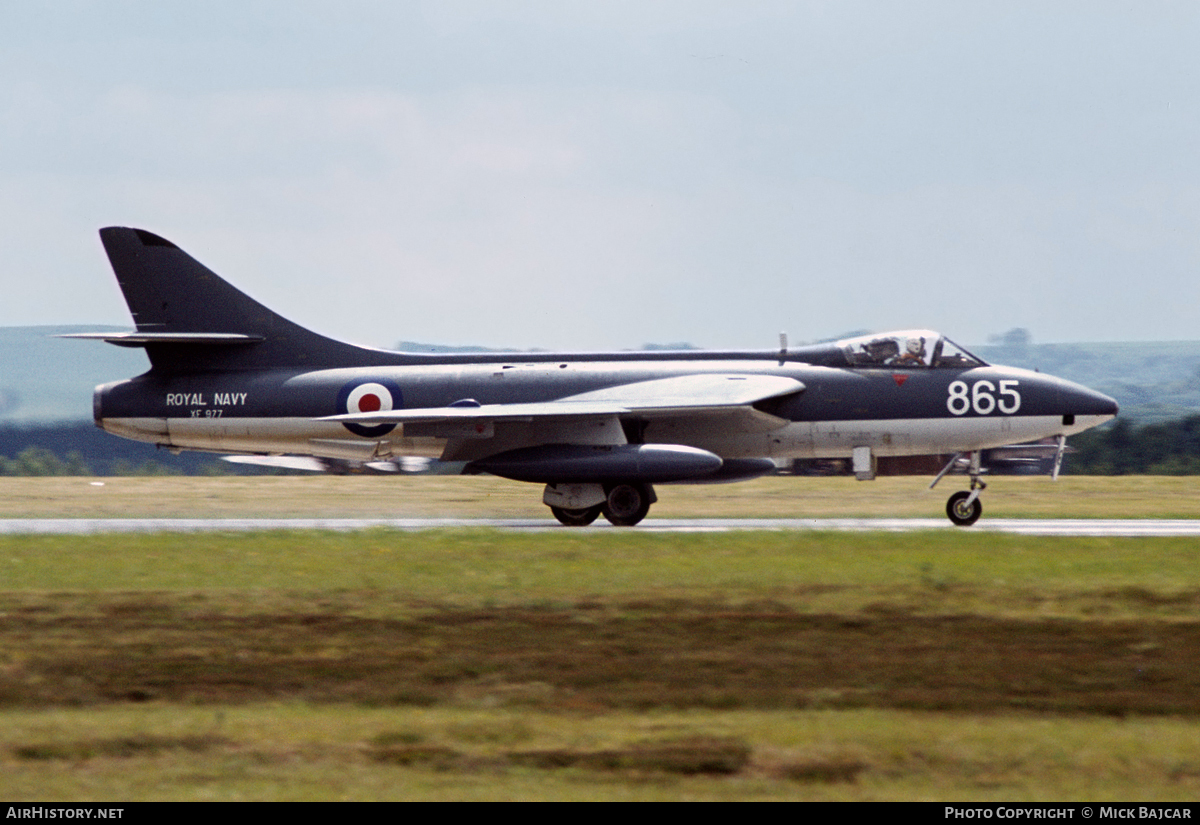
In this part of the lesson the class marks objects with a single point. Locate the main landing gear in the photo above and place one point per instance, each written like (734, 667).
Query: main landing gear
(578, 505)
(628, 504)
(964, 507)
(577, 517)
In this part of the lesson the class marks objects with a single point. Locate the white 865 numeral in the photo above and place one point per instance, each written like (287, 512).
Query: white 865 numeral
(983, 397)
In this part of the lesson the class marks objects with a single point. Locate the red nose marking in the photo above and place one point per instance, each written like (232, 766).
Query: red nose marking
(369, 403)
(899, 379)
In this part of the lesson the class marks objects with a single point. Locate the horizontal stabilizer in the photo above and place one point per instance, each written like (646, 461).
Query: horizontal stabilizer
(141, 339)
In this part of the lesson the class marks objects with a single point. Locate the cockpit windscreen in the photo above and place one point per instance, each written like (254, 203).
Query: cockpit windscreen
(909, 349)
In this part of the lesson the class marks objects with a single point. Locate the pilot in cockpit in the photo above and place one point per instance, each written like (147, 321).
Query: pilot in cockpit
(913, 355)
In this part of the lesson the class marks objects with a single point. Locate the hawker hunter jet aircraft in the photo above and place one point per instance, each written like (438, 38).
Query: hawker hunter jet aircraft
(598, 429)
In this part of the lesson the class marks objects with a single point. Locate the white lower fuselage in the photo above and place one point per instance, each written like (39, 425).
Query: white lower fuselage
(807, 439)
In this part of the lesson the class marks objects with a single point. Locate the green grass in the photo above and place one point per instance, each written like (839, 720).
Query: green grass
(934, 572)
(464, 664)
(306, 752)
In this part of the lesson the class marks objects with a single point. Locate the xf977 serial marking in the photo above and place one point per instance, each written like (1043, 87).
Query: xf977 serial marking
(599, 430)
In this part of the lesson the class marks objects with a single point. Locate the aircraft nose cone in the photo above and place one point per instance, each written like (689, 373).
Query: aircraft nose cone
(1097, 403)
(1079, 400)
(1082, 408)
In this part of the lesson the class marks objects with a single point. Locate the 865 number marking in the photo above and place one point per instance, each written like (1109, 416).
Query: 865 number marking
(984, 397)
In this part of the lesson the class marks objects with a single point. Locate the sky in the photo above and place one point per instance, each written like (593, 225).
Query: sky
(600, 175)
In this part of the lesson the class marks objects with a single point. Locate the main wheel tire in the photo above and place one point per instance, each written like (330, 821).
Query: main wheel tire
(577, 518)
(627, 504)
(960, 512)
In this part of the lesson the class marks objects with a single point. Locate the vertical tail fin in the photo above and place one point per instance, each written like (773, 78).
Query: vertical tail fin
(190, 319)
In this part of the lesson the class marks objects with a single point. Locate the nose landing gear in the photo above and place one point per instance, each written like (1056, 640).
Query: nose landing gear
(964, 507)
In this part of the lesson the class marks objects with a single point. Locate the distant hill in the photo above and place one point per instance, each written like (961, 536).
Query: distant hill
(44, 379)
(416, 346)
(1152, 381)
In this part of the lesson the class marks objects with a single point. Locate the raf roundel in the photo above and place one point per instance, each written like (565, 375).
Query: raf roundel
(368, 397)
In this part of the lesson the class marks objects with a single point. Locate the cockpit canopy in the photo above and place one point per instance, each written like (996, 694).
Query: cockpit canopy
(910, 348)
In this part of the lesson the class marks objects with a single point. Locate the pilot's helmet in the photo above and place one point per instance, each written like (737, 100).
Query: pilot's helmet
(916, 346)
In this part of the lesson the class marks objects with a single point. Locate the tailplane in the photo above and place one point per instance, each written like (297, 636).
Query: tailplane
(189, 319)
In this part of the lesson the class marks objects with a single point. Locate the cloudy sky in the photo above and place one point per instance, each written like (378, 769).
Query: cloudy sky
(598, 175)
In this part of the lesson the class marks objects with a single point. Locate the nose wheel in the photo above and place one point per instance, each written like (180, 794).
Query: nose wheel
(964, 507)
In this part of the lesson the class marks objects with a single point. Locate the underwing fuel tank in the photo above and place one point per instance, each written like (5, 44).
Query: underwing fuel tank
(578, 464)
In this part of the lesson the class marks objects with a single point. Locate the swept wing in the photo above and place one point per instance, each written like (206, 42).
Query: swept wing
(684, 395)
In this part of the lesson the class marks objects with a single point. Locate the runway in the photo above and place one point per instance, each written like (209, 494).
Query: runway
(1029, 527)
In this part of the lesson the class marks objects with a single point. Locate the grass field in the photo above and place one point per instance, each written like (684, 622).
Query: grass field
(472, 664)
(487, 496)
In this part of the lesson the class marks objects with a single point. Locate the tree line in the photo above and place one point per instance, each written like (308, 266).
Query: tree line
(1168, 448)
(80, 449)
